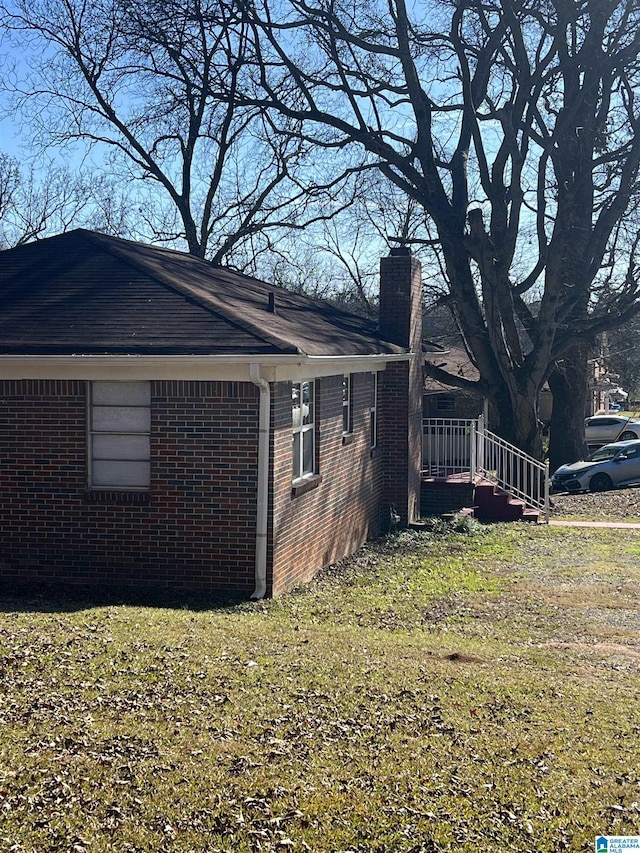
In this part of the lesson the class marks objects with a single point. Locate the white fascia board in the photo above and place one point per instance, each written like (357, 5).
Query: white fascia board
(187, 367)
(314, 367)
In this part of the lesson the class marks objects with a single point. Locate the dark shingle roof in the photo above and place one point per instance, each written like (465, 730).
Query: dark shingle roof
(454, 360)
(87, 293)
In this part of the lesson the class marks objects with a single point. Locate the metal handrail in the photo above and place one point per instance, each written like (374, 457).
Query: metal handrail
(465, 448)
(512, 469)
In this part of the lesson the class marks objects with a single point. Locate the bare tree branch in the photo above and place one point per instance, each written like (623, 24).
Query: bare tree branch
(515, 131)
(155, 84)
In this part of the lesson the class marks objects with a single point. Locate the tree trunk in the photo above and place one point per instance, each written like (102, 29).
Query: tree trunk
(568, 385)
(514, 417)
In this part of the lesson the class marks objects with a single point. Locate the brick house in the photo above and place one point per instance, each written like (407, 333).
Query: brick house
(168, 424)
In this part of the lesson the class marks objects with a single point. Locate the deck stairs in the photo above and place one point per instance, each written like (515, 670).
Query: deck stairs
(494, 504)
(506, 484)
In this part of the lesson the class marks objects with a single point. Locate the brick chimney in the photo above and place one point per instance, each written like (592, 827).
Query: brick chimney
(402, 383)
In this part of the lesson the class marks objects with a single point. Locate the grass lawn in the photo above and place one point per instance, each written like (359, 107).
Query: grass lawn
(437, 693)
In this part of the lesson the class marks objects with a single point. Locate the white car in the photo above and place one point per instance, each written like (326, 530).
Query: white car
(602, 429)
(613, 465)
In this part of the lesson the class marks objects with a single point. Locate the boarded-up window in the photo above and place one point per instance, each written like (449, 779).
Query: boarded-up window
(119, 426)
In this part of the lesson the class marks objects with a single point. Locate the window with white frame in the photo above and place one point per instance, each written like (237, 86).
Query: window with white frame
(373, 413)
(347, 420)
(119, 435)
(303, 413)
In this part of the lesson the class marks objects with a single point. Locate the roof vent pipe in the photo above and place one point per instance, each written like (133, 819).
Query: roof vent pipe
(272, 302)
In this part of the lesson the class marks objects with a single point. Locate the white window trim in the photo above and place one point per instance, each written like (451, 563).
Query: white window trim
(301, 429)
(92, 433)
(347, 382)
(373, 414)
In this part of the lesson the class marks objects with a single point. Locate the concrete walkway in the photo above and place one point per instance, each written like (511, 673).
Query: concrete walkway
(617, 525)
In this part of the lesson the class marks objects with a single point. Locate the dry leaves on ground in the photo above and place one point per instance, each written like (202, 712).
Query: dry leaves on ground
(616, 505)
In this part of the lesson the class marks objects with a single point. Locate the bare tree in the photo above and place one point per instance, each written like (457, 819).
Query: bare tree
(152, 85)
(623, 359)
(9, 183)
(33, 207)
(514, 126)
(380, 218)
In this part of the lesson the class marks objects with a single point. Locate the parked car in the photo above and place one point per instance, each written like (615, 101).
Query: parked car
(602, 429)
(616, 464)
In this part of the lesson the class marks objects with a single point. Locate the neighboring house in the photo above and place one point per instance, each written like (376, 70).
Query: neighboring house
(448, 401)
(168, 424)
(444, 348)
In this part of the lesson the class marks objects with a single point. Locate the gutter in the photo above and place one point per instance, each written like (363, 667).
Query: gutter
(184, 367)
(264, 426)
(202, 358)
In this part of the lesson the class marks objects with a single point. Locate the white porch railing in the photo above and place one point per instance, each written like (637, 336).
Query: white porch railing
(455, 446)
(447, 446)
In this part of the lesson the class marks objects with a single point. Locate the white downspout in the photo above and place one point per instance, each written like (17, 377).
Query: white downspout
(263, 481)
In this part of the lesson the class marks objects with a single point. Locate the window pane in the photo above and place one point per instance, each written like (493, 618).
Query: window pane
(121, 447)
(295, 405)
(303, 450)
(297, 472)
(307, 402)
(121, 393)
(121, 474)
(445, 403)
(346, 404)
(307, 452)
(121, 419)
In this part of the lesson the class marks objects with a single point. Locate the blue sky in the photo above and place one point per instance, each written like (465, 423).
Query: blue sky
(10, 139)
(15, 138)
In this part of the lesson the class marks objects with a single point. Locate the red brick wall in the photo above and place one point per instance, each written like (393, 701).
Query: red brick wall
(439, 496)
(196, 527)
(314, 529)
(401, 390)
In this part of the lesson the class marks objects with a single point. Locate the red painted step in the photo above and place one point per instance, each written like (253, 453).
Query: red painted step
(494, 504)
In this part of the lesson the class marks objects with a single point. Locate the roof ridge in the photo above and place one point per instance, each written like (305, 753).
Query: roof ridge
(100, 237)
(204, 301)
(179, 255)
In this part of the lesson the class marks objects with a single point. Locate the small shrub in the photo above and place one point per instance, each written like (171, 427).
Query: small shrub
(467, 525)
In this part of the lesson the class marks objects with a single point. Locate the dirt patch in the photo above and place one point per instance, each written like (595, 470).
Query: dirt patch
(461, 657)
